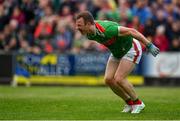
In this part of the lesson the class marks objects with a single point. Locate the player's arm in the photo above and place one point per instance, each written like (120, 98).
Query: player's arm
(124, 31)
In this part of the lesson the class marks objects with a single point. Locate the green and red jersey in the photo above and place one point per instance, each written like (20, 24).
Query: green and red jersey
(108, 34)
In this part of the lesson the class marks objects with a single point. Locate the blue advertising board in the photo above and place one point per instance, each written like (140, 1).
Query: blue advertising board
(93, 63)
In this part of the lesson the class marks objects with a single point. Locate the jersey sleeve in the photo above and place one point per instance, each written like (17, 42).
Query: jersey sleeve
(113, 30)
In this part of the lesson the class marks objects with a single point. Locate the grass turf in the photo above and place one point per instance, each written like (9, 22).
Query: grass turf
(97, 103)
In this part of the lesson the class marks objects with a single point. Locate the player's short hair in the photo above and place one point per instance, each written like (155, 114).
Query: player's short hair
(87, 16)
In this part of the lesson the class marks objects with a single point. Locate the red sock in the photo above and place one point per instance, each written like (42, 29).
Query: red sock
(137, 101)
(129, 102)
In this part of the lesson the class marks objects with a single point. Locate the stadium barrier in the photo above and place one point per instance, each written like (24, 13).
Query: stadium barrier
(162, 70)
(6, 67)
(64, 69)
(84, 69)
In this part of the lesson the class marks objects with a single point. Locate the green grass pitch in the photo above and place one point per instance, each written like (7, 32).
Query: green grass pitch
(85, 103)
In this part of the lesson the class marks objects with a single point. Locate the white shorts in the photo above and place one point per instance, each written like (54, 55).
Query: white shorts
(134, 54)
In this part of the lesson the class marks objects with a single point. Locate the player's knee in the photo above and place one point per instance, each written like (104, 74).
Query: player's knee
(119, 80)
(109, 80)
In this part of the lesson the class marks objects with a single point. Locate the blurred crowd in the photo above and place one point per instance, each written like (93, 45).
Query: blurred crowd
(46, 26)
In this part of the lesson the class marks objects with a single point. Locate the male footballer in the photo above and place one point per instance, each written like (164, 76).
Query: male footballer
(126, 52)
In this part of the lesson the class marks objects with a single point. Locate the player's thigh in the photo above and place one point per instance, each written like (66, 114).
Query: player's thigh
(111, 68)
(124, 69)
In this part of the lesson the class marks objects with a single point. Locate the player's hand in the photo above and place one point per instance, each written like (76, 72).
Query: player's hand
(153, 49)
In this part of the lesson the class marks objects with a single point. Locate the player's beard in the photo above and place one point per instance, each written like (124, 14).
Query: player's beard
(83, 32)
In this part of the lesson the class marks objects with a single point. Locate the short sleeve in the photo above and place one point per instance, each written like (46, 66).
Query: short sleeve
(113, 30)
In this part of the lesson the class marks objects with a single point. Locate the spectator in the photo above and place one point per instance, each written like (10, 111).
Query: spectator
(62, 40)
(10, 36)
(4, 18)
(82, 7)
(70, 3)
(169, 23)
(171, 10)
(38, 26)
(66, 15)
(159, 18)
(175, 33)
(141, 10)
(18, 15)
(122, 13)
(175, 45)
(136, 24)
(28, 7)
(26, 40)
(149, 29)
(160, 39)
(43, 30)
(105, 7)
